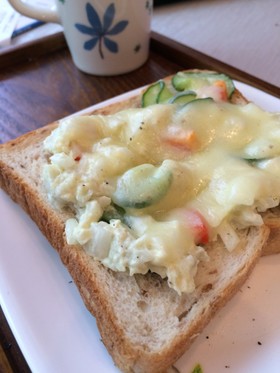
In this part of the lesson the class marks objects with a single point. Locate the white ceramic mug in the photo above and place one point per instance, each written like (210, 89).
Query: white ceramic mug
(105, 37)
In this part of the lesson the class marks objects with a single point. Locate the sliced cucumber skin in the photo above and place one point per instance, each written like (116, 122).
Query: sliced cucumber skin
(164, 95)
(142, 186)
(155, 94)
(150, 96)
(199, 101)
(113, 212)
(186, 80)
(183, 97)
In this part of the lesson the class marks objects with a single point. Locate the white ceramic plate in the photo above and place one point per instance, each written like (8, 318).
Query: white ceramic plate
(57, 334)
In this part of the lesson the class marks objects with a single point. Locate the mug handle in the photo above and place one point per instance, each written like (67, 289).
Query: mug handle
(38, 12)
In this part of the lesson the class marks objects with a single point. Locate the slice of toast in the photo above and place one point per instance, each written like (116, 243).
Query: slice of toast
(145, 325)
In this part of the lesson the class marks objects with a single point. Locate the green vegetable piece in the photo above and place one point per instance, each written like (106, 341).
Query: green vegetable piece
(164, 95)
(150, 96)
(199, 101)
(142, 186)
(183, 98)
(197, 369)
(156, 93)
(113, 212)
(191, 80)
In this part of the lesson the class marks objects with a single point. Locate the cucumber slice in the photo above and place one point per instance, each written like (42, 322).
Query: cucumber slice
(113, 212)
(183, 98)
(142, 186)
(150, 96)
(156, 93)
(199, 101)
(164, 95)
(191, 80)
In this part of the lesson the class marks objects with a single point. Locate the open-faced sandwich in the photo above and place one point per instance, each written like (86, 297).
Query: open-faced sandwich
(156, 206)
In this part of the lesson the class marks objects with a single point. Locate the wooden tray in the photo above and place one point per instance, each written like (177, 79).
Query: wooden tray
(40, 84)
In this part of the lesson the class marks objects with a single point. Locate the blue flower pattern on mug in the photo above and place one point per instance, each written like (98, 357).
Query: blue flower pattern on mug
(99, 31)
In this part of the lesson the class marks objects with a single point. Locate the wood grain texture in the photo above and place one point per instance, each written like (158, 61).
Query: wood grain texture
(51, 87)
(4, 363)
(189, 57)
(11, 358)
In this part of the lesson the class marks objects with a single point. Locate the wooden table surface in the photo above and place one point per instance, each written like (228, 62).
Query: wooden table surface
(38, 91)
(39, 84)
(242, 33)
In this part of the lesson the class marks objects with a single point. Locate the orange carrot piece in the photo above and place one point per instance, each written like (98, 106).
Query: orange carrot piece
(223, 89)
(185, 139)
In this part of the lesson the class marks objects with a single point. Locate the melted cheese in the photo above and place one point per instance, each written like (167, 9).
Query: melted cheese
(218, 160)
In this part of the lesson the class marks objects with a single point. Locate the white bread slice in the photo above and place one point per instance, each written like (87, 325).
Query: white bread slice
(145, 325)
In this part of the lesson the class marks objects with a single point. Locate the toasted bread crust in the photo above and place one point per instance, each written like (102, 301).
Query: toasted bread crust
(162, 324)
